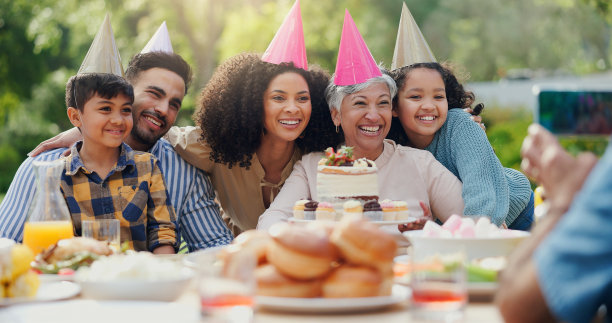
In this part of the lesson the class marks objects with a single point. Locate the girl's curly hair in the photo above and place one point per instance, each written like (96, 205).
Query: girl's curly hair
(456, 95)
(231, 112)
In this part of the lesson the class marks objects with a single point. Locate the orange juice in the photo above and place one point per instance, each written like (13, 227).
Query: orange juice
(40, 235)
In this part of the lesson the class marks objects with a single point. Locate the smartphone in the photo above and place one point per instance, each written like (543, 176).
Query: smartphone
(572, 111)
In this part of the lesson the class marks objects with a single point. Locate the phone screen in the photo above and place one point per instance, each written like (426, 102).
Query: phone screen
(575, 111)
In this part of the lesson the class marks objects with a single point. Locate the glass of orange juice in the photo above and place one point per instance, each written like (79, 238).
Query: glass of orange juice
(48, 217)
(39, 235)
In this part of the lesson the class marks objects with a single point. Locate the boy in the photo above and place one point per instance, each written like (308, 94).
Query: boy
(105, 178)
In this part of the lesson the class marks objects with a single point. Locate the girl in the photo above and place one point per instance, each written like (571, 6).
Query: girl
(428, 114)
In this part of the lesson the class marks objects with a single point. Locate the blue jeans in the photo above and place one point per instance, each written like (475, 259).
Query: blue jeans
(525, 219)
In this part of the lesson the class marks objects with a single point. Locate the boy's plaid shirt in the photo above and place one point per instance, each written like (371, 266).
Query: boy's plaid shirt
(133, 192)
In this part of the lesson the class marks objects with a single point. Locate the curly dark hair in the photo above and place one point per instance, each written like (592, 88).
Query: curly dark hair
(456, 95)
(231, 112)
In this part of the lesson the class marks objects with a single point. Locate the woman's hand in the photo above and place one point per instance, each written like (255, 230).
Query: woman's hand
(62, 140)
(419, 223)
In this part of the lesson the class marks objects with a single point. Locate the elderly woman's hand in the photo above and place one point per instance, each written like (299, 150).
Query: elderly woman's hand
(418, 224)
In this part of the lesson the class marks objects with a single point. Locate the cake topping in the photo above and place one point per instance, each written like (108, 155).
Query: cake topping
(387, 205)
(342, 157)
(401, 205)
(325, 205)
(352, 204)
(299, 205)
(371, 206)
(311, 205)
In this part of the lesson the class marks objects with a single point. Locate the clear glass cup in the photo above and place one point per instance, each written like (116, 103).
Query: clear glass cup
(439, 286)
(103, 230)
(227, 291)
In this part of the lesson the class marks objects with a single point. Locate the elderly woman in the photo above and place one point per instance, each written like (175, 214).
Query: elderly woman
(364, 111)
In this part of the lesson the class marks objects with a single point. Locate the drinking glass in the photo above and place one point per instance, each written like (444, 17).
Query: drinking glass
(439, 286)
(226, 292)
(103, 230)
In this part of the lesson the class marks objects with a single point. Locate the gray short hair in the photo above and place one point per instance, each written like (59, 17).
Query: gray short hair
(334, 94)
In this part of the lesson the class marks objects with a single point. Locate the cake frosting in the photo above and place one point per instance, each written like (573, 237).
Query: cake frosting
(341, 178)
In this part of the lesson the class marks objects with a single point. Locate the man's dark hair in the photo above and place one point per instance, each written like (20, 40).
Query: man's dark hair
(169, 61)
(81, 88)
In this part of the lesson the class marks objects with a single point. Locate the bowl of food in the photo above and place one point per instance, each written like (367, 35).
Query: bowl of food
(476, 240)
(135, 276)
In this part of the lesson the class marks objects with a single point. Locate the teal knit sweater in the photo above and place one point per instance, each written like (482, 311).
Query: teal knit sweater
(488, 188)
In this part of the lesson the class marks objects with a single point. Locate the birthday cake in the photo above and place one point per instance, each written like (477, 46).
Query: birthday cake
(341, 178)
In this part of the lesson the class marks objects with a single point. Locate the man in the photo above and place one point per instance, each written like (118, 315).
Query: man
(160, 81)
(564, 271)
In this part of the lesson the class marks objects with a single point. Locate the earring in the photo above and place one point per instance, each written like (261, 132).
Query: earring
(337, 130)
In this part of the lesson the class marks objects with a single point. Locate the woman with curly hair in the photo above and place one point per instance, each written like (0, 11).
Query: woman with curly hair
(428, 114)
(255, 120)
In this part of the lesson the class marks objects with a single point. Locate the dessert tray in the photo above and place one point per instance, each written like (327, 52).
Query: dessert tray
(395, 222)
(333, 305)
(48, 291)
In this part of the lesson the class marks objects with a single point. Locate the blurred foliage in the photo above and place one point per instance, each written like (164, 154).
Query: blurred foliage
(44, 41)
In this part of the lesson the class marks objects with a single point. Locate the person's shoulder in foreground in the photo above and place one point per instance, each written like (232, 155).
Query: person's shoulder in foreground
(576, 278)
(564, 270)
(193, 197)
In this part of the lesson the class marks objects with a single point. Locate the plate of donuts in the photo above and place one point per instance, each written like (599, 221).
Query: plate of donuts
(333, 305)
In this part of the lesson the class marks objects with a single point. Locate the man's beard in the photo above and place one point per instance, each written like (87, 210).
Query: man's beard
(145, 137)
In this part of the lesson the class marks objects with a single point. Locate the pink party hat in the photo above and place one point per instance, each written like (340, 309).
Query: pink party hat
(160, 42)
(355, 62)
(103, 56)
(288, 43)
(410, 45)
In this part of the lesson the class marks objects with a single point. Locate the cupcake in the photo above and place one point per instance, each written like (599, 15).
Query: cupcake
(325, 211)
(352, 210)
(401, 209)
(372, 211)
(309, 210)
(298, 209)
(388, 208)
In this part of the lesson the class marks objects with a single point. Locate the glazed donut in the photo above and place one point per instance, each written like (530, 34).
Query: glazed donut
(352, 281)
(364, 243)
(300, 252)
(270, 282)
(256, 241)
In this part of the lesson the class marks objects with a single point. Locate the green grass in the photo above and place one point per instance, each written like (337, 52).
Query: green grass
(1, 197)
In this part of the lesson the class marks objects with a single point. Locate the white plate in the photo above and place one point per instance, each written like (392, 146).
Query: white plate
(396, 222)
(48, 278)
(474, 248)
(48, 291)
(333, 305)
(158, 290)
